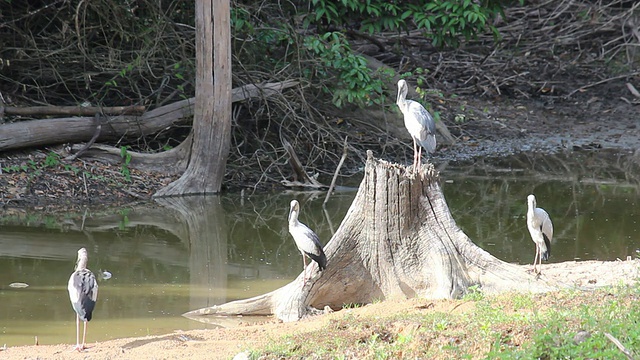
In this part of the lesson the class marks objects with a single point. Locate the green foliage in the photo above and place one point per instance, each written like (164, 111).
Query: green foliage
(15, 168)
(178, 73)
(125, 219)
(126, 159)
(323, 55)
(241, 19)
(33, 167)
(445, 21)
(52, 159)
(351, 305)
(509, 326)
(355, 81)
(474, 293)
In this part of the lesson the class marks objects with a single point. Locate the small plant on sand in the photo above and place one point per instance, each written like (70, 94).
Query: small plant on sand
(473, 293)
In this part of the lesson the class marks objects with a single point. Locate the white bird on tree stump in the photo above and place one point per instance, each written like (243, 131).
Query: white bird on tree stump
(306, 240)
(418, 122)
(83, 292)
(541, 230)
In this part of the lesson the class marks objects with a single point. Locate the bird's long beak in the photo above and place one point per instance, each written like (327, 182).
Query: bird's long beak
(401, 92)
(293, 210)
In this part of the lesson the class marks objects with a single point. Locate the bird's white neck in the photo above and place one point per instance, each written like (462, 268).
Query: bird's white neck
(293, 218)
(81, 264)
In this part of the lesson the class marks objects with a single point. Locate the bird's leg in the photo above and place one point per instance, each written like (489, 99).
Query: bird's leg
(415, 153)
(535, 259)
(84, 335)
(304, 270)
(77, 347)
(419, 156)
(539, 261)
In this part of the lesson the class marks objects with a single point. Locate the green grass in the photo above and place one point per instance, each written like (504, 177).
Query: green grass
(509, 326)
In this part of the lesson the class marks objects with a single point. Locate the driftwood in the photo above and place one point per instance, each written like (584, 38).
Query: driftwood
(302, 179)
(37, 133)
(397, 240)
(172, 162)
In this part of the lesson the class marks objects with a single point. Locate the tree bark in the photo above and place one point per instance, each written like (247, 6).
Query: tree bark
(398, 240)
(212, 120)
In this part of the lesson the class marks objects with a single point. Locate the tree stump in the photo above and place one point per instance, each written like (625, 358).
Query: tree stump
(397, 240)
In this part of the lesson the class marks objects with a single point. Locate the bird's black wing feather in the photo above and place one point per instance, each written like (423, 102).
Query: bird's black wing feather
(546, 255)
(316, 254)
(86, 284)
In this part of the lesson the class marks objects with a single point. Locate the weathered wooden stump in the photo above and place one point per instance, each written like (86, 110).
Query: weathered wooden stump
(398, 240)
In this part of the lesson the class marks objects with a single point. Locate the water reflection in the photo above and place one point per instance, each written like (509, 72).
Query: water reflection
(185, 254)
(165, 260)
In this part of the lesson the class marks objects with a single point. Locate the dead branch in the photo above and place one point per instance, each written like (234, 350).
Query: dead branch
(93, 140)
(633, 90)
(619, 345)
(302, 179)
(335, 174)
(602, 82)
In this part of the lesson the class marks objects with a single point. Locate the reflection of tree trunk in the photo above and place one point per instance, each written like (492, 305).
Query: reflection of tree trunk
(207, 239)
(398, 239)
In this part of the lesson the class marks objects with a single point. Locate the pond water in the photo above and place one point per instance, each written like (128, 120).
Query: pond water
(167, 260)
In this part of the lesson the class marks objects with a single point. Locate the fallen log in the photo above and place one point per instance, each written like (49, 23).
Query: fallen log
(43, 132)
(73, 110)
(398, 240)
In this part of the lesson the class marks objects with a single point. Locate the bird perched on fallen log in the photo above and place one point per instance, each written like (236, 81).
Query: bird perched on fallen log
(306, 240)
(83, 292)
(541, 230)
(418, 122)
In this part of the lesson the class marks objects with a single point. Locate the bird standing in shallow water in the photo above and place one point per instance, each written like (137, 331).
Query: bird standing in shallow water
(418, 122)
(541, 230)
(83, 292)
(306, 240)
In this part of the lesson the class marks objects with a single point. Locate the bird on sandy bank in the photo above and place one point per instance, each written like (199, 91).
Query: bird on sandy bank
(83, 293)
(541, 230)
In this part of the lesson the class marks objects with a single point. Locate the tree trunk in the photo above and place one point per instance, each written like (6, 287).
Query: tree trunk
(398, 240)
(212, 120)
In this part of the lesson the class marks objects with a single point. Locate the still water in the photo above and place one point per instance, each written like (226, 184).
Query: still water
(182, 255)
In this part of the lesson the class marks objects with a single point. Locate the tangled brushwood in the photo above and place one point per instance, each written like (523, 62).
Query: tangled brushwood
(116, 53)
